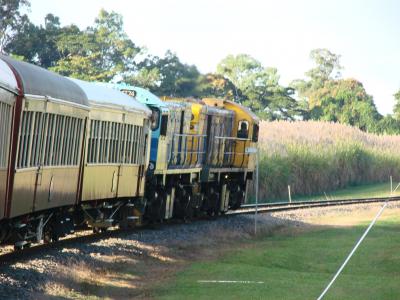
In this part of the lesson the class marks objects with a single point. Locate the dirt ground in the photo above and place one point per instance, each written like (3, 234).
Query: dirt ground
(132, 266)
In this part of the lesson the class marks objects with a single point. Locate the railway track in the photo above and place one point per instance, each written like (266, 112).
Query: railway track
(86, 236)
(284, 206)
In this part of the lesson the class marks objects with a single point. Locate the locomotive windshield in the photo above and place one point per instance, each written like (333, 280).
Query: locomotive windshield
(155, 118)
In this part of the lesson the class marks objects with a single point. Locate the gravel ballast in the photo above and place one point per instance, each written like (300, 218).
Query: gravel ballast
(30, 276)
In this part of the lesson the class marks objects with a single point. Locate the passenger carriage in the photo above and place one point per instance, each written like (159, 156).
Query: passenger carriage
(45, 136)
(8, 94)
(116, 157)
(71, 153)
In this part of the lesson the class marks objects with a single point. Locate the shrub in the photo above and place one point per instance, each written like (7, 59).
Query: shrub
(315, 157)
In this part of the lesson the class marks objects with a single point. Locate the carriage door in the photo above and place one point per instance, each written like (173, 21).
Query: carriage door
(27, 175)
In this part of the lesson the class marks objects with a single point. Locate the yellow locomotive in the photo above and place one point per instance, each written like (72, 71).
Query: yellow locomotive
(224, 135)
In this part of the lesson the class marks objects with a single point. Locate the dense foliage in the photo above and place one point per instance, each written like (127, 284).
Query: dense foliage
(11, 19)
(104, 52)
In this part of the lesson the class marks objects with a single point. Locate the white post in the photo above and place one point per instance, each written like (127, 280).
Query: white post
(256, 211)
(290, 196)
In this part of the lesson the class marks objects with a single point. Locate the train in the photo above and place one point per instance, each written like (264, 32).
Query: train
(77, 154)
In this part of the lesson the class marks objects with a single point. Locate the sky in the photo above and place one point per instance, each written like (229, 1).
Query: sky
(280, 33)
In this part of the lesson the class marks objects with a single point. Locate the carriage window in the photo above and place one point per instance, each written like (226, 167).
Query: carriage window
(243, 129)
(49, 140)
(112, 143)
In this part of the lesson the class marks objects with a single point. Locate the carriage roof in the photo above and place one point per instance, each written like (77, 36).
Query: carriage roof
(101, 94)
(40, 82)
(7, 78)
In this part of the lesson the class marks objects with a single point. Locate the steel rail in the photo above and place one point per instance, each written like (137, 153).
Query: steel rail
(282, 206)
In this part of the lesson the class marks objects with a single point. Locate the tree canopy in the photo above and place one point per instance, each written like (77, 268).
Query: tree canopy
(329, 97)
(104, 52)
(258, 88)
(99, 53)
(11, 19)
(396, 108)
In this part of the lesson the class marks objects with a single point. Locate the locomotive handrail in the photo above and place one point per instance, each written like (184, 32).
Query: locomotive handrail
(183, 139)
(189, 135)
(231, 154)
(232, 138)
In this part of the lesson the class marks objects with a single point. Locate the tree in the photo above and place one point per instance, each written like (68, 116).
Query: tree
(11, 19)
(100, 53)
(38, 44)
(328, 97)
(215, 85)
(327, 68)
(176, 79)
(258, 88)
(146, 78)
(387, 125)
(346, 101)
(396, 109)
(240, 70)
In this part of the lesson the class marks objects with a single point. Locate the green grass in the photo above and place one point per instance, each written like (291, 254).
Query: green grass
(361, 191)
(299, 267)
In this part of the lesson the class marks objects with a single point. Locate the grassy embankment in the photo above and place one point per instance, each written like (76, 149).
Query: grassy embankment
(354, 192)
(299, 265)
(315, 158)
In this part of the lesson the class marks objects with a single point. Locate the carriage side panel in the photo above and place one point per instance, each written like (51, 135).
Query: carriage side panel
(6, 109)
(115, 158)
(47, 165)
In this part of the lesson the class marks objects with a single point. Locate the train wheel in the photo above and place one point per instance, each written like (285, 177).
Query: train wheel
(47, 237)
(189, 210)
(156, 204)
(237, 197)
(21, 246)
(212, 202)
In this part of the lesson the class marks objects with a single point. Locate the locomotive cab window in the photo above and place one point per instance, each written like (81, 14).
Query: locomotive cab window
(164, 125)
(243, 129)
(155, 118)
(255, 133)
